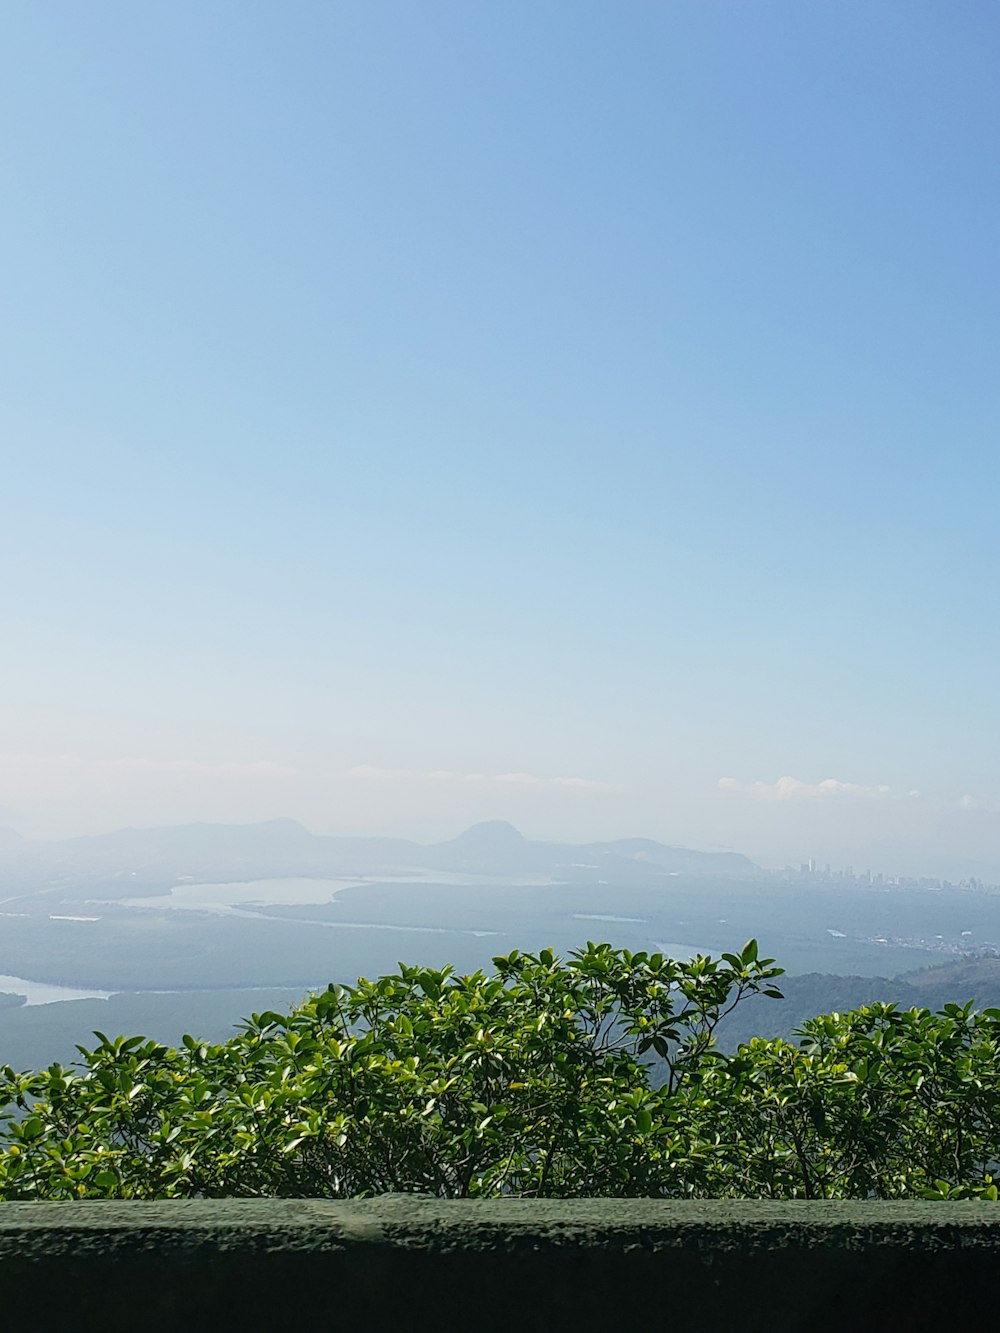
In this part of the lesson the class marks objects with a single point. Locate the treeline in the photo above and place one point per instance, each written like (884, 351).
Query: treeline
(595, 1075)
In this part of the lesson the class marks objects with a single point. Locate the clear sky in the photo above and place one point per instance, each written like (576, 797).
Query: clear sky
(582, 414)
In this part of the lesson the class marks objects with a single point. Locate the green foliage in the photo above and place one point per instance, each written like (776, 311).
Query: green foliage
(595, 1075)
(878, 1103)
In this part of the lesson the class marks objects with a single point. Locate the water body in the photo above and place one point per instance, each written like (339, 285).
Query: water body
(605, 916)
(245, 898)
(227, 899)
(41, 992)
(464, 879)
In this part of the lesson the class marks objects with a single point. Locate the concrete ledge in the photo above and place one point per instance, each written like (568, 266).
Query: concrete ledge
(414, 1263)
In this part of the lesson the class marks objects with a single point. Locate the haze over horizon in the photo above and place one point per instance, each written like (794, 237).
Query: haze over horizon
(571, 416)
(946, 868)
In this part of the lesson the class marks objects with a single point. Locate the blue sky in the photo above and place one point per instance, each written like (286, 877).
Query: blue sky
(415, 414)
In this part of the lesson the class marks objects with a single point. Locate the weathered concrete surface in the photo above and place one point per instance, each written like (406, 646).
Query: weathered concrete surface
(414, 1263)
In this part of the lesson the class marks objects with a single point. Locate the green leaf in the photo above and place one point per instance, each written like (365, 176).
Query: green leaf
(32, 1128)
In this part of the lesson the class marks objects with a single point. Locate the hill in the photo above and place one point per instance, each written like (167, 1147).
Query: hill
(976, 979)
(130, 861)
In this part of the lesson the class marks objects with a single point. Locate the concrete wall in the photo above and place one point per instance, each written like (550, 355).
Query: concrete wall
(413, 1263)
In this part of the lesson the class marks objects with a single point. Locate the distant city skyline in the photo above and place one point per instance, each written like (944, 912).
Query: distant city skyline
(579, 416)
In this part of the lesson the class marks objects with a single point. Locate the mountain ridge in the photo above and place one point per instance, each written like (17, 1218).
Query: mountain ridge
(285, 847)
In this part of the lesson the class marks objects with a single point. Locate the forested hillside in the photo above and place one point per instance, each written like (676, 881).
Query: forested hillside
(975, 979)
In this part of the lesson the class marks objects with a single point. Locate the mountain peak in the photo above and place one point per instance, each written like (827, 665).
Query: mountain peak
(491, 833)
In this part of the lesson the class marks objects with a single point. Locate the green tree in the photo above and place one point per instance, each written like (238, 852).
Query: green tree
(594, 1075)
(534, 1081)
(877, 1103)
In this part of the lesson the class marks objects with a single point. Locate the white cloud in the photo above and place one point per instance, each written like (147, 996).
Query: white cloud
(73, 763)
(375, 774)
(979, 803)
(533, 780)
(30, 762)
(793, 789)
(256, 768)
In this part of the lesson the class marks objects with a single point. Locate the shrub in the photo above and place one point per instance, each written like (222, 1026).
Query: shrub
(595, 1075)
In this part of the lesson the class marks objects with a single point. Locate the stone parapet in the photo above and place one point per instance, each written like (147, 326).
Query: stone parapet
(412, 1263)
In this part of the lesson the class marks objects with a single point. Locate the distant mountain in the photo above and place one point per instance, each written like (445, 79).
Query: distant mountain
(976, 979)
(497, 847)
(492, 835)
(131, 860)
(483, 847)
(676, 860)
